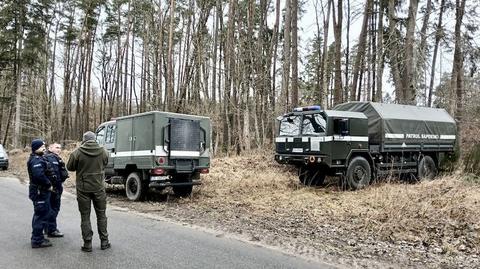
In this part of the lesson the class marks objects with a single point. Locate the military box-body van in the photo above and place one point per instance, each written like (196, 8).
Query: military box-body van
(156, 149)
(359, 141)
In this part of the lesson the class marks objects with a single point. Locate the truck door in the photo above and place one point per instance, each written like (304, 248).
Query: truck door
(341, 139)
(142, 141)
(184, 149)
(123, 143)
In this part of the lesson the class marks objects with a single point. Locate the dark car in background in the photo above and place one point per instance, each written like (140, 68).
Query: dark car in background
(3, 158)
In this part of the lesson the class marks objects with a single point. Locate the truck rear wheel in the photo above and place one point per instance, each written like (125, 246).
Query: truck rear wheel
(311, 176)
(358, 173)
(185, 190)
(134, 187)
(427, 168)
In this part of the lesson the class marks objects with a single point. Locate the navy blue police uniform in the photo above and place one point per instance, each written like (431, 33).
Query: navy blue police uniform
(39, 193)
(61, 174)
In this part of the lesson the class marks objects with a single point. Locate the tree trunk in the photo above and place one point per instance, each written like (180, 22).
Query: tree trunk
(380, 53)
(286, 54)
(323, 73)
(294, 18)
(170, 70)
(360, 50)
(18, 81)
(409, 79)
(394, 52)
(337, 30)
(423, 48)
(456, 86)
(438, 37)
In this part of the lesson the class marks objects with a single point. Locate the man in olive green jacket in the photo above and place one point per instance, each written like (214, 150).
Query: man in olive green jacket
(89, 161)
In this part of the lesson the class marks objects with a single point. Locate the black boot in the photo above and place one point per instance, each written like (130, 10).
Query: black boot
(87, 246)
(105, 244)
(44, 244)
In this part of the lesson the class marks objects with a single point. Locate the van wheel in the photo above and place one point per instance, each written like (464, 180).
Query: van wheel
(358, 173)
(427, 168)
(182, 191)
(134, 187)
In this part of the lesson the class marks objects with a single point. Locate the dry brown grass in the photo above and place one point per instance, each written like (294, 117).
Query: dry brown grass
(443, 212)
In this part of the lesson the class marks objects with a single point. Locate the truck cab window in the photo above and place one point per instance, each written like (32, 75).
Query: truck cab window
(341, 127)
(110, 137)
(313, 124)
(290, 126)
(101, 135)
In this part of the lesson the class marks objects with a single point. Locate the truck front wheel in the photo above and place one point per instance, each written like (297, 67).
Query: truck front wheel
(358, 173)
(134, 187)
(427, 168)
(311, 176)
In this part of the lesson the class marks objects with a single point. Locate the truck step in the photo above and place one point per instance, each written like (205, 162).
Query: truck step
(390, 165)
(395, 171)
(157, 184)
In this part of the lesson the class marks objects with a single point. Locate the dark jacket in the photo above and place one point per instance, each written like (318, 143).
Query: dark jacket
(38, 169)
(89, 162)
(58, 167)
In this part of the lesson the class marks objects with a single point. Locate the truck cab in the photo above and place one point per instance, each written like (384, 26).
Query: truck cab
(156, 150)
(319, 142)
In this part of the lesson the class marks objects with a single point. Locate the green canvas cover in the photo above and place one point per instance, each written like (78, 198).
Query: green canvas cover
(393, 122)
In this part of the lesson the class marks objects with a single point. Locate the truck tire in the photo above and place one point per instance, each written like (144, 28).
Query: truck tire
(358, 173)
(134, 187)
(427, 168)
(311, 176)
(182, 191)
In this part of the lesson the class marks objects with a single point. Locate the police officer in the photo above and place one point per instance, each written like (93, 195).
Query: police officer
(53, 157)
(39, 192)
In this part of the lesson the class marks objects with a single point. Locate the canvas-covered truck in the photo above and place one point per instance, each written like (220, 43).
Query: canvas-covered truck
(156, 150)
(360, 141)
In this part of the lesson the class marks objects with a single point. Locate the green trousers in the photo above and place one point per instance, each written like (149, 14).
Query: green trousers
(99, 200)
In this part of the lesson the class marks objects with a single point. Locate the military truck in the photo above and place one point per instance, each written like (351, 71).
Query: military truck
(156, 150)
(360, 141)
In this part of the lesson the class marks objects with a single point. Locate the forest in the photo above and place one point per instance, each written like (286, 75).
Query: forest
(68, 65)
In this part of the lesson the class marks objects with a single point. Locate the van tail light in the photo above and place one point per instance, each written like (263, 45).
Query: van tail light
(204, 171)
(157, 172)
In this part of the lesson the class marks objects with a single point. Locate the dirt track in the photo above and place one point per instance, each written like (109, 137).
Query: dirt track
(430, 224)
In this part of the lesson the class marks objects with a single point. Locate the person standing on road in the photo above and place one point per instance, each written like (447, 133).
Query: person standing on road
(53, 156)
(39, 191)
(89, 161)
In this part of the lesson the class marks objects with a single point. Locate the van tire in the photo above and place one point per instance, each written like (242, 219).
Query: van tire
(359, 173)
(427, 168)
(134, 187)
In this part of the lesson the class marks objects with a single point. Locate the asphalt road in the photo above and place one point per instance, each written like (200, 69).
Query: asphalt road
(137, 241)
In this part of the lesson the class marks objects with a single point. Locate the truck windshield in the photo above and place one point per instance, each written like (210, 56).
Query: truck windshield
(313, 124)
(290, 126)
